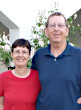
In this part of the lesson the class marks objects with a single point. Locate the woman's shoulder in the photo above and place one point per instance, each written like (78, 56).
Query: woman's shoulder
(6, 73)
(35, 76)
(34, 71)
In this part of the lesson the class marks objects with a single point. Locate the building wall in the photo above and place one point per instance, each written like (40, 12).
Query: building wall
(3, 29)
(14, 34)
(76, 39)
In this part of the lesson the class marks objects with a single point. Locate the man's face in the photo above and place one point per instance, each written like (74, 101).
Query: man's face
(56, 30)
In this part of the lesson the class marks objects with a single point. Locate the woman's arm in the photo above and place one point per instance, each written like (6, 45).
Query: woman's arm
(1, 102)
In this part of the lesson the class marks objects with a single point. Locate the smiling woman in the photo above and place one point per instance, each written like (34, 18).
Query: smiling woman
(20, 78)
(20, 56)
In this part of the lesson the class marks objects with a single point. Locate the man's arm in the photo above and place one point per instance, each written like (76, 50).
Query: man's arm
(1, 102)
(34, 60)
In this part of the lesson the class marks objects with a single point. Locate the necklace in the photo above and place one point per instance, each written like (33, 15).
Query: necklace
(21, 75)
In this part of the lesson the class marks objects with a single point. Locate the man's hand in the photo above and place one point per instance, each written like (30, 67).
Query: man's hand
(79, 101)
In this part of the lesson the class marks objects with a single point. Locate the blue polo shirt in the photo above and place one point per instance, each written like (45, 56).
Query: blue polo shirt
(60, 78)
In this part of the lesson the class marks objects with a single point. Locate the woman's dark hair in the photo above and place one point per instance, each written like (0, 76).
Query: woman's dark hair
(21, 43)
(56, 14)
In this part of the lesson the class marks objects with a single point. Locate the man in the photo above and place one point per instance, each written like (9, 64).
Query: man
(59, 67)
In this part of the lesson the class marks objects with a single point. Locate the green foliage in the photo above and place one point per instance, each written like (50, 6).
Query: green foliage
(80, 31)
(29, 63)
(39, 38)
(5, 50)
(2, 43)
(5, 56)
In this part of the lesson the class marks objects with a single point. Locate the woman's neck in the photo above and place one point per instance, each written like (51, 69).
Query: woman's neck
(21, 72)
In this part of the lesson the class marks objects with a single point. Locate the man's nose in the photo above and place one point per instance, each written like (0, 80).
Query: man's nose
(56, 27)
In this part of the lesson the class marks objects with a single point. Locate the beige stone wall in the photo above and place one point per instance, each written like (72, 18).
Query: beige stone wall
(3, 67)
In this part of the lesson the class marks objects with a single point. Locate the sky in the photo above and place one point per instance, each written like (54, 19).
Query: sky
(24, 12)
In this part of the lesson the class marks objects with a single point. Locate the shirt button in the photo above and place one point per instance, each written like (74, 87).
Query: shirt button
(55, 59)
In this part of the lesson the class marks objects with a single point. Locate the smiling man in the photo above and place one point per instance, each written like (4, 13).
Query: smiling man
(59, 68)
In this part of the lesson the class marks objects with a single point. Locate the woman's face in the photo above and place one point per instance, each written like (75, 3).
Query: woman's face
(20, 56)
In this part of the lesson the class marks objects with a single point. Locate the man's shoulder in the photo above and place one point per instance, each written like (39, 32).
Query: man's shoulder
(42, 50)
(76, 48)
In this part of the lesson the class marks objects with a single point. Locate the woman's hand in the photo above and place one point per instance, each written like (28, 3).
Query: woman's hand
(1, 102)
(79, 101)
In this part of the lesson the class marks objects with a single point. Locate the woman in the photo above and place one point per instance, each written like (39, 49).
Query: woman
(19, 87)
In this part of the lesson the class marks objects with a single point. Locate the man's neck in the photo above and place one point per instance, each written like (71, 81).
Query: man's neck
(58, 48)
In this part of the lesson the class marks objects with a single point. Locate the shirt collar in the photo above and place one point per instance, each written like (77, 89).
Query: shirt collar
(67, 51)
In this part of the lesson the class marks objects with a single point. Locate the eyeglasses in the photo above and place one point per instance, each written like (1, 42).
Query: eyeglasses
(17, 52)
(53, 26)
